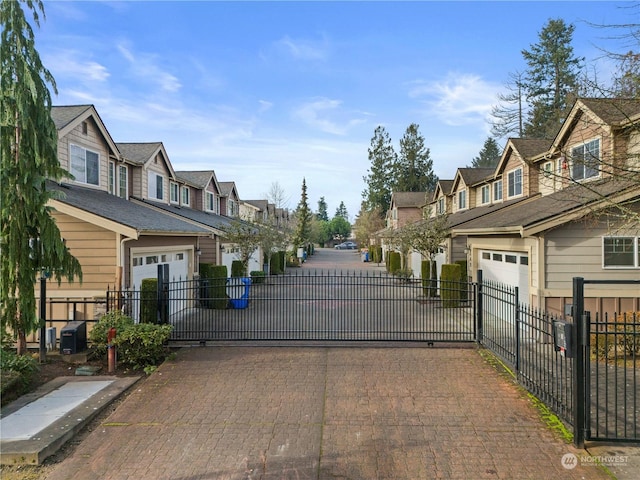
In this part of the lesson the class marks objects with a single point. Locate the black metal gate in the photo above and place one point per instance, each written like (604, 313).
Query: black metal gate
(325, 307)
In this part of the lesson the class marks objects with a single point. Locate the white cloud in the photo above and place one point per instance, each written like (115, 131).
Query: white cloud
(71, 64)
(458, 99)
(302, 49)
(316, 114)
(145, 66)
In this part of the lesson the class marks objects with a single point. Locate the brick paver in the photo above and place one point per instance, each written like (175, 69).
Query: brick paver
(323, 413)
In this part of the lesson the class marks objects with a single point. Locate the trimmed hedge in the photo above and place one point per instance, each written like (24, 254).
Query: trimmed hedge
(257, 276)
(237, 269)
(149, 300)
(450, 285)
(429, 278)
(276, 264)
(213, 286)
(464, 280)
(395, 262)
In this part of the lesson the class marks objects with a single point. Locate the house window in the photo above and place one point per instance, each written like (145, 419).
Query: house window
(515, 183)
(85, 165)
(156, 186)
(485, 194)
(621, 252)
(511, 258)
(441, 206)
(497, 190)
(497, 257)
(122, 181)
(173, 192)
(112, 178)
(585, 160)
(185, 196)
(462, 199)
(486, 256)
(210, 205)
(547, 169)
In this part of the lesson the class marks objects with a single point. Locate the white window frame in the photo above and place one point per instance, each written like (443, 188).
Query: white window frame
(635, 245)
(462, 199)
(210, 205)
(123, 181)
(441, 206)
(547, 169)
(588, 151)
(155, 180)
(78, 155)
(111, 178)
(485, 194)
(497, 191)
(185, 195)
(516, 192)
(174, 192)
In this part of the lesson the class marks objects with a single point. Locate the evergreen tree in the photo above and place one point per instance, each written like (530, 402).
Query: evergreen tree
(626, 79)
(379, 179)
(489, 156)
(552, 77)
(322, 210)
(302, 234)
(341, 211)
(413, 171)
(30, 241)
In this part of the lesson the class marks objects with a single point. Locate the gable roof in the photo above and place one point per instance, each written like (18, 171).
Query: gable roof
(259, 204)
(139, 153)
(472, 176)
(409, 199)
(538, 213)
(199, 178)
(227, 188)
(613, 111)
(67, 117)
(121, 215)
(527, 148)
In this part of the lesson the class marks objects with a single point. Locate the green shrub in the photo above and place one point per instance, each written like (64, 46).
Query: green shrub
(149, 300)
(429, 278)
(143, 345)
(100, 330)
(276, 264)
(16, 368)
(237, 269)
(377, 254)
(213, 286)
(257, 276)
(395, 262)
(464, 280)
(450, 285)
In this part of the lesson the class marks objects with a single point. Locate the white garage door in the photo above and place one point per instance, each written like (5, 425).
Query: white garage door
(145, 265)
(509, 268)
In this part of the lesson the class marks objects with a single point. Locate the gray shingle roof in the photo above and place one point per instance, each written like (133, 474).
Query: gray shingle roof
(410, 199)
(446, 186)
(64, 115)
(200, 178)
(613, 111)
(138, 152)
(540, 208)
(530, 147)
(471, 176)
(261, 204)
(226, 188)
(464, 216)
(119, 210)
(205, 218)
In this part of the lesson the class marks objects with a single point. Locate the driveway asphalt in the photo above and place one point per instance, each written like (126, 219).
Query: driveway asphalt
(265, 412)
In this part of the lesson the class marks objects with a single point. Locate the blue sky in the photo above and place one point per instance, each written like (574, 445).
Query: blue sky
(264, 92)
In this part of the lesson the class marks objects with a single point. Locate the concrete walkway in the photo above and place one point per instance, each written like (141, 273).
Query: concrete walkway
(325, 413)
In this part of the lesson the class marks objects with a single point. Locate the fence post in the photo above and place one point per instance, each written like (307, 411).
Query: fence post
(577, 344)
(516, 304)
(479, 307)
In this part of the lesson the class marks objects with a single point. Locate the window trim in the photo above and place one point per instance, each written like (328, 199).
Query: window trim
(111, 178)
(636, 253)
(584, 178)
(85, 150)
(462, 199)
(514, 172)
(497, 192)
(153, 192)
(121, 169)
(209, 204)
(174, 188)
(485, 189)
(185, 196)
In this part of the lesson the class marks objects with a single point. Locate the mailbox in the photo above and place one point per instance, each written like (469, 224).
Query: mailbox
(562, 338)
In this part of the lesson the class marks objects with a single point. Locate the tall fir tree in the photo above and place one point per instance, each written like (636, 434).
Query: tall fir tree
(489, 156)
(382, 157)
(30, 241)
(302, 233)
(341, 211)
(507, 117)
(551, 79)
(322, 210)
(413, 170)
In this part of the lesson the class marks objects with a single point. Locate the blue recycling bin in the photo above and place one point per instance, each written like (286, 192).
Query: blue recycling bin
(238, 291)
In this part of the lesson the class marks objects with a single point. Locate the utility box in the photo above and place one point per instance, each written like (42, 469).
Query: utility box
(562, 338)
(73, 338)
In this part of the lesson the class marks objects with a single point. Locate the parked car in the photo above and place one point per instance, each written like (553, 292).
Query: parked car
(346, 246)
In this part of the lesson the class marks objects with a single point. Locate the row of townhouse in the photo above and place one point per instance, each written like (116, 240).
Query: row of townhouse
(127, 210)
(549, 211)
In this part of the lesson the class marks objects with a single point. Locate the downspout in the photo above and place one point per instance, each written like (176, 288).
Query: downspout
(120, 260)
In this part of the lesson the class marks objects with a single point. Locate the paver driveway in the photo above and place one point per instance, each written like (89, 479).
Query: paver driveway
(323, 413)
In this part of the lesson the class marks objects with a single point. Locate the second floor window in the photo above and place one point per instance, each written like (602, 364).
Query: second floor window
(173, 192)
(585, 160)
(85, 165)
(441, 209)
(185, 196)
(484, 192)
(112, 178)
(156, 186)
(462, 199)
(515, 183)
(122, 181)
(211, 205)
(497, 191)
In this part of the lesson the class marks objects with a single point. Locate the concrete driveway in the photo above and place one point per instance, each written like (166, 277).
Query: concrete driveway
(263, 412)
